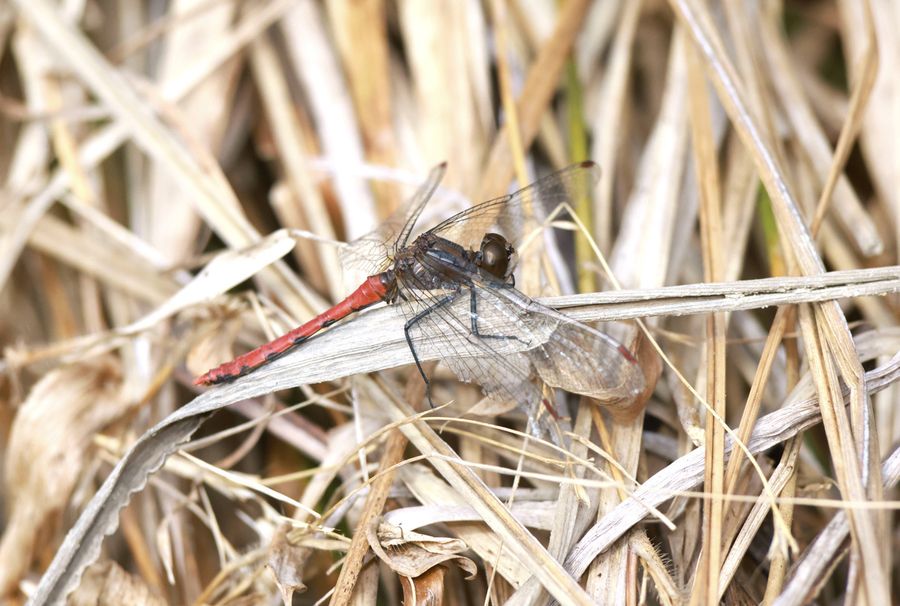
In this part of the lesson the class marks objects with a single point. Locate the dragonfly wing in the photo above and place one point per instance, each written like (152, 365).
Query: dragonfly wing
(497, 322)
(508, 379)
(369, 253)
(495, 355)
(504, 379)
(365, 256)
(585, 361)
(472, 321)
(417, 203)
(516, 214)
(442, 328)
(571, 355)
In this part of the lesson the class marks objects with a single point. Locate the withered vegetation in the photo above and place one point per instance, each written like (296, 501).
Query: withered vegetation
(178, 177)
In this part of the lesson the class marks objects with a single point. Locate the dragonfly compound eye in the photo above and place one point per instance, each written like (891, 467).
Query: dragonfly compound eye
(495, 255)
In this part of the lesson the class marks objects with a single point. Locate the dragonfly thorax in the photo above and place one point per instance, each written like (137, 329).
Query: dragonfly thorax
(436, 263)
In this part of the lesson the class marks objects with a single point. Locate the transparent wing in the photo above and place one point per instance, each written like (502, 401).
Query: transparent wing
(571, 355)
(493, 335)
(585, 361)
(564, 353)
(489, 351)
(365, 256)
(370, 253)
(497, 378)
(515, 215)
(417, 203)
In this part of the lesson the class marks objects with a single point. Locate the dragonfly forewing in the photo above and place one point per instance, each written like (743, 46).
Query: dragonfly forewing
(518, 214)
(469, 323)
(371, 253)
(568, 354)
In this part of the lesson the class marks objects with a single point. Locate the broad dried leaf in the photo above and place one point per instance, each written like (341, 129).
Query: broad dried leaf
(224, 272)
(49, 447)
(412, 554)
(107, 584)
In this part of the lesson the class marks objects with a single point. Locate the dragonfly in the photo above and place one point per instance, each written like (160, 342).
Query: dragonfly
(455, 283)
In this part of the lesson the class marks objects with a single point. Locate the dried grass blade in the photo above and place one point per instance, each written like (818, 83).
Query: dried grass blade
(375, 500)
(706, 585)
(542, 81)
(170, 222)
(362, 40)
(608, 121)
(641, 257)
(881, 122)
(516, 538)
(204, 182)
(828, 166)
(331, 107)
(798, 414)
(810, 569)
(320, 265)
(698, 21)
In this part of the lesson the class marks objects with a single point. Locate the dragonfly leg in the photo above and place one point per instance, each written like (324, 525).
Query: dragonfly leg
(412, 322)
(473, 318)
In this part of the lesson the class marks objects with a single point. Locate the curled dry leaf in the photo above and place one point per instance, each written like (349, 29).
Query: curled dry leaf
(288, 561)
(412, 554)
(532, 514)
(106, 584)
(49, 445)
(426, 590)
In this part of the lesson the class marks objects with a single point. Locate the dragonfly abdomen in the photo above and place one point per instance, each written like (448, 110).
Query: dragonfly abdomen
(373, 290)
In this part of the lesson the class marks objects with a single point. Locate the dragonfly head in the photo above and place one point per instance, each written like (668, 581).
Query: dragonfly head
(495, 255)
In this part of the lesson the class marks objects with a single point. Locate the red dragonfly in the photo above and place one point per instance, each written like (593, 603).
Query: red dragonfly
(459, 297)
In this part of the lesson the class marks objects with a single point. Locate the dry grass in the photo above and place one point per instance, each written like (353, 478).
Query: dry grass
(144, 142)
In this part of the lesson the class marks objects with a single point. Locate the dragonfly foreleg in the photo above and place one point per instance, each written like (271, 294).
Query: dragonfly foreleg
(473, 318)
(412, 322)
